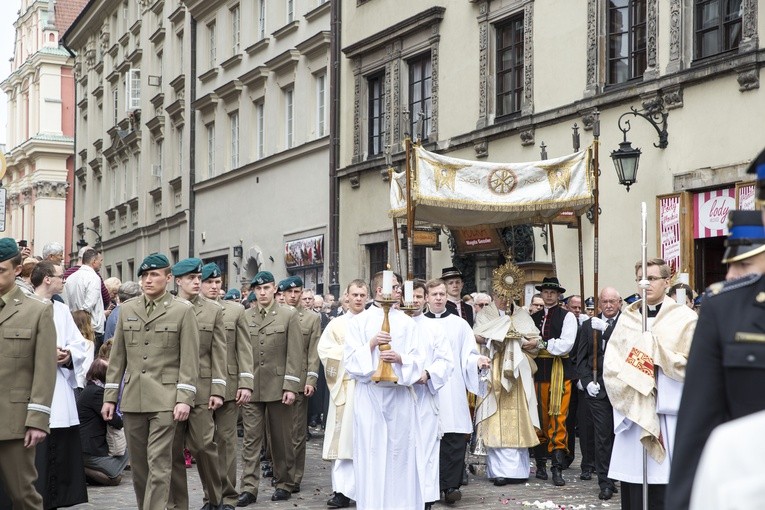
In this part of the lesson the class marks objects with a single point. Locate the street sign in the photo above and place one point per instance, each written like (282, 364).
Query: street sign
(3, 191)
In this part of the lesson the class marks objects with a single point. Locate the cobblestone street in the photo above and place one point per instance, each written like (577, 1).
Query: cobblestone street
(316, 489)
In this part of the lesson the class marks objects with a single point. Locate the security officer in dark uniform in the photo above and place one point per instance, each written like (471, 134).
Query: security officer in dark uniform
(197, 433)
(310, 326)
(27, 379)
(155, 352)
(726, 365)
(278, 356)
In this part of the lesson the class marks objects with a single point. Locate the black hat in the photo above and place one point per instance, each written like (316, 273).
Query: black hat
(450, 272)
(550, 282)
(757, 167)
(746, 236)
(589, 303)
(631, 299)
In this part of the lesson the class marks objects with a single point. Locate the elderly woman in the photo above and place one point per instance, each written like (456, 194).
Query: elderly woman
(100, 467)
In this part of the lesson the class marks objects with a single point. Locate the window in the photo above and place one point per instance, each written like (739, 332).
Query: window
(260, 125)
(116, 103)
(211, 43)
(179, 52)
(509, 66)
(290, 11)
(262, 19)
(211, 149)
(233, 120)
(179, 139)
(321, 105)
(420, 83)
(378, 258)
(419, 257)
(376, 135)
(289, 116)
(133, 90)
(718, 26)
(235, 22)
(626, 40)
(113, 187)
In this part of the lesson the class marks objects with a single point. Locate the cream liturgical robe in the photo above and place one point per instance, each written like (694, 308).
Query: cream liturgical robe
(439, 363)
(385, 431)
(506, 412)
(644, 374)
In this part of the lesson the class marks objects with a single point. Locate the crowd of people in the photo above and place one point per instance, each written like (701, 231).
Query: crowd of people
(405, 377)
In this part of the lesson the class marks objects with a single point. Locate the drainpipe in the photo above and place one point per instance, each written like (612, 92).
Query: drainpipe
(334, 149)
(192, 135)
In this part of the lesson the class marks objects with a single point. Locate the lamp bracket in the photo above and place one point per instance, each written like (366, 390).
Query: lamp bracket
(656, 118)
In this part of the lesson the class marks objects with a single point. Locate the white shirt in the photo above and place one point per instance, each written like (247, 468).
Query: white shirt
(564, 344)
(82, 291)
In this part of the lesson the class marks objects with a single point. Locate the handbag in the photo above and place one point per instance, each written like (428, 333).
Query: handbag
(115, 440)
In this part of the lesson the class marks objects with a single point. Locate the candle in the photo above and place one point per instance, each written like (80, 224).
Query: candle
(408, 291)
(387, 283)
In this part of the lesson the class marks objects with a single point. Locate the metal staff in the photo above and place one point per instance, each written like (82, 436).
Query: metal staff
(644, 283)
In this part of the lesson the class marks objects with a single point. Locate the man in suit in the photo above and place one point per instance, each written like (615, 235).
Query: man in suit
(726, 364)
(310, 326)
(156, 352)
(27, 376)
(278, 356)
(197, 432)
(239, 380)
(454, 303)
(596, 397)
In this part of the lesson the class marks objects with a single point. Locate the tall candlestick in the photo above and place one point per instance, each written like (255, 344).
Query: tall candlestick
(408, 291)
(387, 283)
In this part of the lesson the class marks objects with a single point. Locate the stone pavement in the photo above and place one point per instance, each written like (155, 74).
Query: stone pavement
(316, 489)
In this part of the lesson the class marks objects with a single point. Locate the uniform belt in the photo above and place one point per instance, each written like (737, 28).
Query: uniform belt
(543, 354)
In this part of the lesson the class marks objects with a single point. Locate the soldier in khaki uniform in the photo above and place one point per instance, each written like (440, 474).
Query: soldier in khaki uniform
(277, 351)
(310, 326)
(156, 350)
(197, 432)
(239, 380)
(27, 378)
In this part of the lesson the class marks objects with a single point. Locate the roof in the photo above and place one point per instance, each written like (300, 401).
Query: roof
(66, 12)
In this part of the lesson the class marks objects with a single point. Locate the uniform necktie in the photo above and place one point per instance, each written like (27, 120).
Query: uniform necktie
(610, 322)
(150, 308)
(262, 313)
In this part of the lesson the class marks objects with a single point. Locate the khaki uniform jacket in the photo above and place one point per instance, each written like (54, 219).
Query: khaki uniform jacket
(27, 364)
(212, 350)
(276, 350)
(310, 325)
(238, 349)
(159, 356)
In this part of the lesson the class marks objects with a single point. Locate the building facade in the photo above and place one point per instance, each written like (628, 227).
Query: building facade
(261, 136)
(495, 80)
(40, 136)
(132, 173)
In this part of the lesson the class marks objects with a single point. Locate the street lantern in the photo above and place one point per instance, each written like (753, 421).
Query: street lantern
(626, 161)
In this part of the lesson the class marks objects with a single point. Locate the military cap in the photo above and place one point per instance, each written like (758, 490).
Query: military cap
(757, 167)
(153, 261)
(697, 301)
(8, 249)
(262, 278)
(252, 297)
(187, 266)
(746, 236)
(210, 270)
(631, 299)
(291, 282)
(232, 294)
(589, 303)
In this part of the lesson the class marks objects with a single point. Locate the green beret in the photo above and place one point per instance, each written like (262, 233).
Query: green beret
(210, 270)
(232, 294)
(187, 266)
(8, 249)
(153, 261)
(282, 285)
(292, 282)
(252, 297)
(262, 278)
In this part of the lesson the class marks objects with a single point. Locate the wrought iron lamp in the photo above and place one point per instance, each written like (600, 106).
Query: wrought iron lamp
(627, 158)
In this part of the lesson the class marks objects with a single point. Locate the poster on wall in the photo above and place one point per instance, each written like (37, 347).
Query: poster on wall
(670, 240)
(745, 196)
(710, 212)
(308, 251)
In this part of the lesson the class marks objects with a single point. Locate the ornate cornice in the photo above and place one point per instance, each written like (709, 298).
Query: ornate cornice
(50, 189)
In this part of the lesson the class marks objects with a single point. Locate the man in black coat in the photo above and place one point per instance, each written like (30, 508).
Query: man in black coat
(595, 390)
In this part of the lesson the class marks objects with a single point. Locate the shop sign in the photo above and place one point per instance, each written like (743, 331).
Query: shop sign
(476, 240)
(308, 251)
(710, 212)
(745, 196)
(669, 230)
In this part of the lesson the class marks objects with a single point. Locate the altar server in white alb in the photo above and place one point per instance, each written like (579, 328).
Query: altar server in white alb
(338, 438)
(644, 375)
(385, 415)
(454, 411)
(437, 371)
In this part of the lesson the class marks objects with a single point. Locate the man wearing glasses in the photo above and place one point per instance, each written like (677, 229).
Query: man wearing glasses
(644, 374)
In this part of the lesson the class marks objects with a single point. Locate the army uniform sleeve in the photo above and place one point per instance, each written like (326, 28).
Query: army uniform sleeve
(117, 360)
(189, 368)
(218, 365)
(244, 359)
(294, 355)
(312, 372)
(44, 379)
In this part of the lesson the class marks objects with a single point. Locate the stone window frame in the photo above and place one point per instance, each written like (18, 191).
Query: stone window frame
(488, 20)
(389, 51)
(628, 30)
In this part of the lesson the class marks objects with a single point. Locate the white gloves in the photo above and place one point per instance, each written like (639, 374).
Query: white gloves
(579, 385)
(582, 318)
(599, 324)
(593, 389)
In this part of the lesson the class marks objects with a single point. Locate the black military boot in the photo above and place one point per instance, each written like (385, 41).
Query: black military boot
(540, 460)
(558, 461)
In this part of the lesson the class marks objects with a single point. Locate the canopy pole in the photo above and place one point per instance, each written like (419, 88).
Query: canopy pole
(396, 247)
(596, 233)
(552, 247)
(409, 213)
(581, 257)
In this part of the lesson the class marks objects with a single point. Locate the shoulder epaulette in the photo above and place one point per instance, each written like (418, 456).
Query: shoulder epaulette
(132, 299)
(722, 287)
(211, 301)
(40, 299)
(181, 300)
